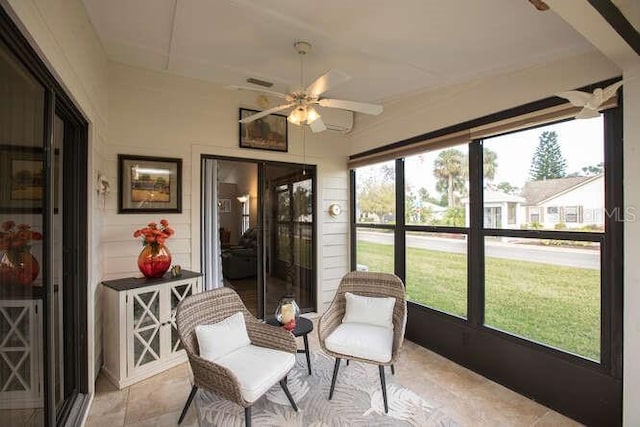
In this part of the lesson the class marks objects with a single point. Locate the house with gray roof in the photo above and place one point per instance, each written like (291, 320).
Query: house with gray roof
(572, 202)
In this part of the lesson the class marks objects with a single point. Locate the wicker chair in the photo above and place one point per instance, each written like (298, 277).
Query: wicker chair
(211, 307)
(370, 285)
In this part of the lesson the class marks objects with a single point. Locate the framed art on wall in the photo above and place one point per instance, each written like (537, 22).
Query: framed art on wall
(266, 133)
(149, 184)
(21, 179)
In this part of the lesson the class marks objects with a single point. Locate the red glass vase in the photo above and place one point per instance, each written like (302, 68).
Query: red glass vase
(154, 260)
(18, 268)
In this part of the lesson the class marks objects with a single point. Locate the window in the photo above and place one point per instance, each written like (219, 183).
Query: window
(375, 212)
(534, 217)
(511, 218)
(547, 290)
(503, 250)
(571, 214)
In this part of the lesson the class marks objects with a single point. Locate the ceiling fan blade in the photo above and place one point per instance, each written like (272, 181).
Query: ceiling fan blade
(326, 81)
(265, 113)
(257, 89)
(358, 107)
(317, 125)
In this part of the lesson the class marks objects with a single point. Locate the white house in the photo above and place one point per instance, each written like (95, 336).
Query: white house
(573, 202)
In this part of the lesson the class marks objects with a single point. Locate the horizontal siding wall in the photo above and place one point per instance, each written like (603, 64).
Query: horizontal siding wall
(156, 114)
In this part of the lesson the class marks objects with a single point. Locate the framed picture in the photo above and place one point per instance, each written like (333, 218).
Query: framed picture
(266, 133)
(149, 184)
(21, 179)
(224, 205)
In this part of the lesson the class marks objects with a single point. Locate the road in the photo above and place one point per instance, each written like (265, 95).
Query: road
(570, 257)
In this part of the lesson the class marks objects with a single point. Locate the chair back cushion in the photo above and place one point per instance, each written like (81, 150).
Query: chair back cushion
(377, 311)
(207, 308)
(219, 339)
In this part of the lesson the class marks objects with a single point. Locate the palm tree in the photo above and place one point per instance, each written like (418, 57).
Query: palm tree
(489, 163)
(450, 169)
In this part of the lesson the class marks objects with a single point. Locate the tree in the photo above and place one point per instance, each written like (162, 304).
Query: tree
(451, 171)
(507, 188)
(489, 163)
(593, 169)
(301, 203)
(548, 161)
(377, 198)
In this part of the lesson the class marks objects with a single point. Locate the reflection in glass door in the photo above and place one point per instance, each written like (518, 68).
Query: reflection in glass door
(22, 282)
(43, 271)
(288, 218)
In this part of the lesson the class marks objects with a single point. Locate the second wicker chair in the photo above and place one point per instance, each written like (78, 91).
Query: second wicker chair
(363, 342)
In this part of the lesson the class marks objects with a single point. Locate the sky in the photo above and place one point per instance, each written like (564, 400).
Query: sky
(581, 143)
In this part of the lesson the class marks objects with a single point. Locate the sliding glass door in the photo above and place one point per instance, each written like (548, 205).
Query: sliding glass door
(259, 231)
(288, 218)
(43, 276)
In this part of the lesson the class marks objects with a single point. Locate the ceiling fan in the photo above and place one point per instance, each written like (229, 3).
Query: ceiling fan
(302, 101)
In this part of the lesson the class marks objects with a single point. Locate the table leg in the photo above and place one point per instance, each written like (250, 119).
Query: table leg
(306, 351)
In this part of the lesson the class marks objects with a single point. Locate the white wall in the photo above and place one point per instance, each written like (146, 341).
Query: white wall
(631, 342)
(153, 113)
(62, 34)
(452, 105)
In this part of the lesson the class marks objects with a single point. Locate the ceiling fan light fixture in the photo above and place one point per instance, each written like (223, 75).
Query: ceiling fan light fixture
(312, 115)
(298, 115)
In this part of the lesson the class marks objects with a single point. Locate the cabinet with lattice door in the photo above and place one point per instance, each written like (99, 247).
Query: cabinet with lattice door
(20, 354)
(140, 337)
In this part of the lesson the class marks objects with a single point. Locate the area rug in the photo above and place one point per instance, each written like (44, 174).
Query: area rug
(357, 401)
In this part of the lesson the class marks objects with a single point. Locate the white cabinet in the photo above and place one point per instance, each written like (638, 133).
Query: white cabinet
(140, 337)
(20, 354)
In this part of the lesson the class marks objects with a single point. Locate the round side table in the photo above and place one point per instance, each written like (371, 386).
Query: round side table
(303, 327)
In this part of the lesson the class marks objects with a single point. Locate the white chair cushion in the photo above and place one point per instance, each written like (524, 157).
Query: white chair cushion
(370, 310)
(364, 341)
(219, 339)
(257, 368)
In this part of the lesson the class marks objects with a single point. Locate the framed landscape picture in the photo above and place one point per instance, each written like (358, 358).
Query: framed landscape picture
(266, 133)
(149, 184)
(22, 179)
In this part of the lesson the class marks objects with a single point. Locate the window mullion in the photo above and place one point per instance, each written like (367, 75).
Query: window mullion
(400, 265)
(475, 238)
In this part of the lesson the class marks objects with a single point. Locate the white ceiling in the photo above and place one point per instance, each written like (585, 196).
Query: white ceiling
(390, 48)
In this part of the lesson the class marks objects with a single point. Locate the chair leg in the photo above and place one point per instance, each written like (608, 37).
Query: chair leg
(335, 375)
(384, 388)
(247, 416)
(283, 384)
(393, 370)
(194, 389)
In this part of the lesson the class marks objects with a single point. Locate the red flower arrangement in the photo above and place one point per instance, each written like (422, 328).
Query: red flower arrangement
(155, 258)
(17, 265)
(155, 235)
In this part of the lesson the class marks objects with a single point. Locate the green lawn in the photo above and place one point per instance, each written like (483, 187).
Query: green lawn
(554, 305)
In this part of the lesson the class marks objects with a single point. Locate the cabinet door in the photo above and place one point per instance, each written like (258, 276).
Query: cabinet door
(144, 325)
(177, 293)
(20, 354)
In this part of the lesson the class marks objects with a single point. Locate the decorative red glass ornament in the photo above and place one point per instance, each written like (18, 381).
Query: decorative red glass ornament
(154, 260)
(18, 268)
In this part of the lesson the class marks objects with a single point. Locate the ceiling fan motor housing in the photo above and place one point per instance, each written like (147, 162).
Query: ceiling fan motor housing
(302, 47)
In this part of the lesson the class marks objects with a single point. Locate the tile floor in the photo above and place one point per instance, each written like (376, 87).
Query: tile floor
(468, 398)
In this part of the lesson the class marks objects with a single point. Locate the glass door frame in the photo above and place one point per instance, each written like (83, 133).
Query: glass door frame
(311, 170)
(261, 238)
(75, 225)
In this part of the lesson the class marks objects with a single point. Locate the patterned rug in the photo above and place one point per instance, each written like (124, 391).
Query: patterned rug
(357, 401)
